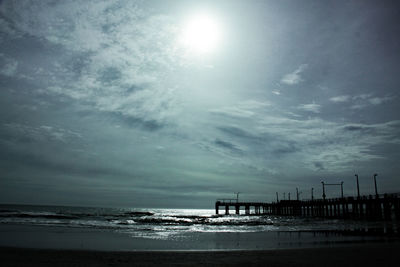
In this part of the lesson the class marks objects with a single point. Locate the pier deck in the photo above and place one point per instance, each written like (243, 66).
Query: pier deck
(379, 207)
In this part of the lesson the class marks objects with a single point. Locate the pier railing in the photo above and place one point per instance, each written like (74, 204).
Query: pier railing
(227, 200)
(372, 207)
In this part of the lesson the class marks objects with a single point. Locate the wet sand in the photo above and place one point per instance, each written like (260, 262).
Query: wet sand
(65, 238)
(370, 254)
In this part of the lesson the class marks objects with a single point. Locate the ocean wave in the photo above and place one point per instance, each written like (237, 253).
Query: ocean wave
(124, 222)
(113, 215)
(139, 213)
(37, 215)
(72, 215)
(199, 220)
(6, 210)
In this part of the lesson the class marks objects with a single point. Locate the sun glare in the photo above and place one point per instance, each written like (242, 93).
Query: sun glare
(201, 33)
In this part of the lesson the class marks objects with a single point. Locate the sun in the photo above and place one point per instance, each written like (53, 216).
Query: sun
(201, 33)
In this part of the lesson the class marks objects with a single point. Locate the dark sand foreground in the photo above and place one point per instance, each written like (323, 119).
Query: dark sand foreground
(371, 254)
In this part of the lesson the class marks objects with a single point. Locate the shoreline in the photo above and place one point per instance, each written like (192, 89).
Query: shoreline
(368, 254)
(340, 245)
(44, 237)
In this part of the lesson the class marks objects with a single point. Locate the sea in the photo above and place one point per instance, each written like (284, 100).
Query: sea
(63, 227)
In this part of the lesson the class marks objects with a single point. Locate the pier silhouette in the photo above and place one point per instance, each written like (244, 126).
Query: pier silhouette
(371, 207)
(378, 207)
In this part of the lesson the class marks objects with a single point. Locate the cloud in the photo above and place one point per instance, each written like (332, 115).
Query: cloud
(9, 66)
(319, 165)
(113, 70)
(294, 77)
(379, 100)
(376, 132)
(276, 92)
(26, 133)
(113, 57)
(349, 143)
(228, 145)
(244, 109)
(362, 96)
(233, 112)
(366, 100)
(359, 106)
(315, 108)
(361, 101)
(236, 131)
(274, 139)
(340, 99)
(131, 120)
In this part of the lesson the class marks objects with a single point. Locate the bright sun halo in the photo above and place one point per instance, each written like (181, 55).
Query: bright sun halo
(201, 33)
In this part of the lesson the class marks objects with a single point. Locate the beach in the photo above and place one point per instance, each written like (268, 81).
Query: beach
(68, 236)
(377, 254)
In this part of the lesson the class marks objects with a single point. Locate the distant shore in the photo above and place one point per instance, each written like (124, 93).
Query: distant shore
(369, 254)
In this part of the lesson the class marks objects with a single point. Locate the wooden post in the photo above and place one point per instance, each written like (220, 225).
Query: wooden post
(326, 208)
(362, 207)
(341, 205)
(386, 207)
(376, 208)
(354, 207)
(334, 208)
(396, 202)
(312, 208)
(347, 207)
(227, 209)
(320, 209)
(368, 210)
(237, 208)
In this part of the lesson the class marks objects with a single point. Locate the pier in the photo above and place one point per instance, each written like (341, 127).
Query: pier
(377, 207)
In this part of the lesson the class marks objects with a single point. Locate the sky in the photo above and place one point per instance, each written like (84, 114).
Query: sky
(127, 104)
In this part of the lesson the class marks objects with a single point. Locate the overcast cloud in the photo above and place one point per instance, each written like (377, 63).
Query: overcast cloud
(101, 104)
